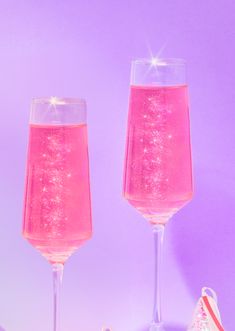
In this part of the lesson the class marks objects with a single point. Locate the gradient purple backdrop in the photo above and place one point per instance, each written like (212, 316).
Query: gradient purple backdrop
(84, 48)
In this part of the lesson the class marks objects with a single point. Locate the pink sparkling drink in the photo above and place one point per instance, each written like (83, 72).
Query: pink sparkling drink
(57, 212)
(158, 174)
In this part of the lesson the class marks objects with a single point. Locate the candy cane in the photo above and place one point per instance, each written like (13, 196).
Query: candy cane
(213, 316)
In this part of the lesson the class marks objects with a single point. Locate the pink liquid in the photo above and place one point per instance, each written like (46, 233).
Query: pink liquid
(158, 174)
(57, 213)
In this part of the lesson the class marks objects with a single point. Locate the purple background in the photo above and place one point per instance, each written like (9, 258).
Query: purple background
(84, 48)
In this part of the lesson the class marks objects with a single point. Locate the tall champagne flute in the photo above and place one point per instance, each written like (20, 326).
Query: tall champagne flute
(157, 173)
(57, 211)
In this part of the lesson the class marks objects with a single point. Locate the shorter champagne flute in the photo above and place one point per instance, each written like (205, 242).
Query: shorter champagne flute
(57, 209)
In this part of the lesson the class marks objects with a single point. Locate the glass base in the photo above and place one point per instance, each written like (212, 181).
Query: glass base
(156, 327)
(164, 327)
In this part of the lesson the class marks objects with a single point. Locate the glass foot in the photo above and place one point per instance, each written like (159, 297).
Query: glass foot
(156, 327)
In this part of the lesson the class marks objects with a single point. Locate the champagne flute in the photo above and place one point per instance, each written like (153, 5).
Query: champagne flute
(158, 172)
(57, 211)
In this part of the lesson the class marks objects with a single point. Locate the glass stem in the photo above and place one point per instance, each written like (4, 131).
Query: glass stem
(158, 234)
(57, 270)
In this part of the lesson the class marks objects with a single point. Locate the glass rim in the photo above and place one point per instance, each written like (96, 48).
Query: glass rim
(160, 61)
(59, 101)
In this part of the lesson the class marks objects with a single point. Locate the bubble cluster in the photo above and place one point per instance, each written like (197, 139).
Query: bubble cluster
(49, 168)
(150, 144)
